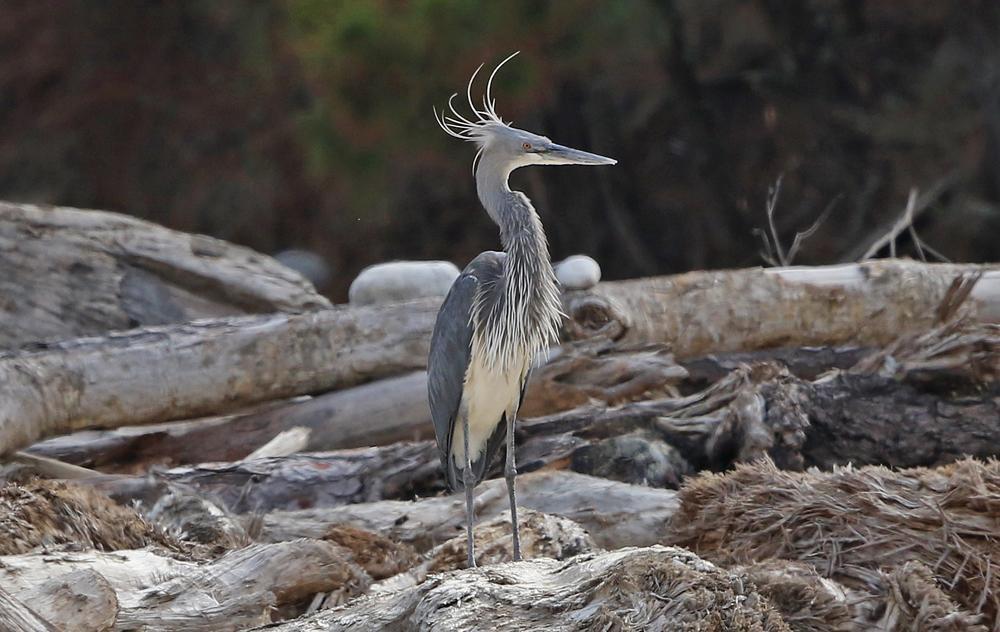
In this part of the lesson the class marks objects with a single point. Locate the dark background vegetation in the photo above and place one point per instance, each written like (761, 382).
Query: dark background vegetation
(307, 123)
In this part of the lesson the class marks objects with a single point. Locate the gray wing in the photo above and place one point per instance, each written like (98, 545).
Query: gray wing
(451, 348)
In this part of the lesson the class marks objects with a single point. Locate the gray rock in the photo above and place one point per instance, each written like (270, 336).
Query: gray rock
(399, 281)
(578, 272)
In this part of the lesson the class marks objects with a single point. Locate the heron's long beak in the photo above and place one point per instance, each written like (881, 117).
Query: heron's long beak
(560, 155)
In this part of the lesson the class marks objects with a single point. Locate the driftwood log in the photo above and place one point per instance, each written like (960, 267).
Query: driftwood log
(322, 479)
(81, 600)
(864, 419)
(153, 592)
(614, 514)
(14, 615)
(210, 367)
(655, 588)
(757, 410)
(202, 368)
(697, 313)
(378, 413)
(69, 273)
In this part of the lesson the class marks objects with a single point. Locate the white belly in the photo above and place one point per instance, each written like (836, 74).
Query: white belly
(486, 396)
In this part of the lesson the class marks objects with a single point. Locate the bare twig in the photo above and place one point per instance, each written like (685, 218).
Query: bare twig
(772, 201)
(904, 222)
(807, 233)
(774, 255)
(768, 253)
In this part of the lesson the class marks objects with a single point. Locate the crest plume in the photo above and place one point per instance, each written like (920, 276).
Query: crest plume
(474, 128)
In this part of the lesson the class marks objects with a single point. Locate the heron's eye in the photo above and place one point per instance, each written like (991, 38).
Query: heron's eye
(527, 146)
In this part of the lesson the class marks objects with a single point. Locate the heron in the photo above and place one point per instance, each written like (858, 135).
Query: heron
(501, 311)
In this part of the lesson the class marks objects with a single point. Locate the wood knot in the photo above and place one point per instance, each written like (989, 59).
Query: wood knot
(592, 316)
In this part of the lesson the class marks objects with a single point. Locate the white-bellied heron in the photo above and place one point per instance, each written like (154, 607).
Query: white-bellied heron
(500, 312)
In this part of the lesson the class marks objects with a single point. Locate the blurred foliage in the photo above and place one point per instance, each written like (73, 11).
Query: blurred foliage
(307, 123)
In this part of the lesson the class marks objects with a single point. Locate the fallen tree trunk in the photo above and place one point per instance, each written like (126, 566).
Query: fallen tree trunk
(202, 368)
(866, 304)
(153, 592)
(379, 413)
(69, 273)
(293, 482)
(758, 410)
(655, 588)
(14, 615)
(81, 600)
(614, 514)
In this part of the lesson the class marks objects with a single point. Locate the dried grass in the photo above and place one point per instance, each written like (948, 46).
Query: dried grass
(861, 527)
(56, 514)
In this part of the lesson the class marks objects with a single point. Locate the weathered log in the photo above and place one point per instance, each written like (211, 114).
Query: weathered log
(233, 592)
(577, 374)
(217, 366)
(844, 418)
(132, 449)
(323, 479)
(69, 273)
(655, 588)
(81, 600)
(542, 535)
(14, 615)
(614, 514)
(202, 368)
(866, 304)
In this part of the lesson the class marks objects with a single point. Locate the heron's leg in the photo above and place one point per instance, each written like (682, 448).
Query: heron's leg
(510, 473)
(467, 483)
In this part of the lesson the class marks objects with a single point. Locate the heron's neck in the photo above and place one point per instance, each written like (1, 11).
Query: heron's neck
(521, 231)
(523, 318)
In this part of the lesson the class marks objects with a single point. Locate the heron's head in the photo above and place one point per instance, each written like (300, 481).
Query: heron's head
(503, 147)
